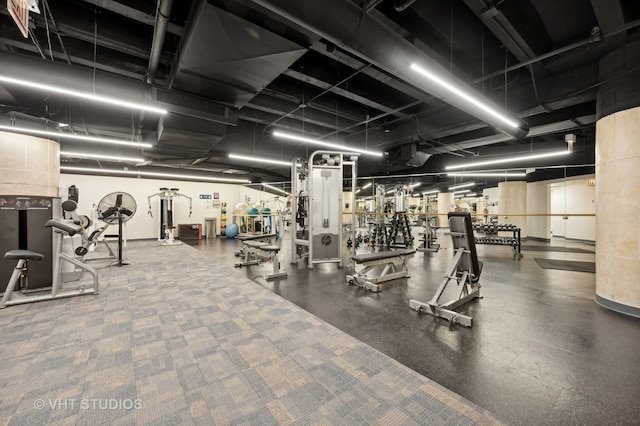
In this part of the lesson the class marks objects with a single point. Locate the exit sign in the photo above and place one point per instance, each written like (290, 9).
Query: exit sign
(591, 182)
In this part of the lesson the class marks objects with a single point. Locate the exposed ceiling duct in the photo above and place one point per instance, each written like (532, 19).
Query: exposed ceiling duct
(345, 24)
(227, 58)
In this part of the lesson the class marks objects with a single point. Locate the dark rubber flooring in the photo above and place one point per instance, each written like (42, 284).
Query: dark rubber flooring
(541, 352)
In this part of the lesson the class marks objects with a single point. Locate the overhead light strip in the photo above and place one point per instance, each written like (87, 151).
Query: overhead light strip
(99, 156)
(340, 147)
(260, 160)
(465, 185)
(82, 95)
(433, 191)
(461, 192)
(367, 185)
(508, 160)
(75, 137)
(275, 189)
(155, 174)
(463, 95)
(487, 174)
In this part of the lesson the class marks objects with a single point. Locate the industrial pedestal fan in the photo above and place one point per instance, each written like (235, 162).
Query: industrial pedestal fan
(117, 207)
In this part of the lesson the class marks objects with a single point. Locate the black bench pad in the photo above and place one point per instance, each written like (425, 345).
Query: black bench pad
(368, 257)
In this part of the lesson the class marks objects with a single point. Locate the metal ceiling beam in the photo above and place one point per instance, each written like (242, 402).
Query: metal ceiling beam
(262, 103)
(337, 90)
(135, 14)
(384, 78)
(609, 14)
(284, 88)
(545, 129)
(344, 24)
(29, 47)
(105, 38)
(502, 28)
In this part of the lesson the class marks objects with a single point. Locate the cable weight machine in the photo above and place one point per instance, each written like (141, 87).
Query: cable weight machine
(166, 213)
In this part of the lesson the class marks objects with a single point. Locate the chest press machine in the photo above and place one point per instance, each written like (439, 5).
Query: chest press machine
(465, 270)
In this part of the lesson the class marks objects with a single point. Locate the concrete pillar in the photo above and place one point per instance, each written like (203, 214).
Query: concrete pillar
(512, 200)
(618, 211)
(29, 165)
(618, 181)
(445, 205)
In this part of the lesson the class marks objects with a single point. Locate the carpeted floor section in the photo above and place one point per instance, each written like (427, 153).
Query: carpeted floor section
(175, 338)
(567, 265)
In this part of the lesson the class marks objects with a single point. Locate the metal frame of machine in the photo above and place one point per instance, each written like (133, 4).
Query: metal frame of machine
(316, 206)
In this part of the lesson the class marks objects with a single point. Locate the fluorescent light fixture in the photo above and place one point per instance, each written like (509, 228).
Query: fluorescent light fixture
(465, 185)
(488, 174)
(82, 95)
(274, 188)
(508, 160)
(260, 160)
(358, 190)
(461, 192)
(100, 156)
(463, 95)
(433, 191)
(414, 185)
(155, 174)
(325, 144)
(75, 137)
(367, 185)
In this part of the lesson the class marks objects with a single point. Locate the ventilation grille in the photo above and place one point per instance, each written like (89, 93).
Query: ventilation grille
(183, 103)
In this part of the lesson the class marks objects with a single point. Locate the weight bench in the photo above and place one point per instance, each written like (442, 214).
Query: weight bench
(465, 269)
(255, 250)
(394, 267)
(247, 236)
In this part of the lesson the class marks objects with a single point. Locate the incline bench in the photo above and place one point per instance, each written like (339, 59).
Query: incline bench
(465, 269)
(253, 250)
(394, 267)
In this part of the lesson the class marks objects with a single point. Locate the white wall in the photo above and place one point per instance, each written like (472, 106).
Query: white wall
(573, 196)
(492, 201)
(141, 226)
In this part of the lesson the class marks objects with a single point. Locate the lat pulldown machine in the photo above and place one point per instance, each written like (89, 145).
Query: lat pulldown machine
(166, 212)
(464, 270)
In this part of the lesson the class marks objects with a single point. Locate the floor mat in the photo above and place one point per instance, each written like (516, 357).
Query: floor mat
(567, 265)
(552, 248)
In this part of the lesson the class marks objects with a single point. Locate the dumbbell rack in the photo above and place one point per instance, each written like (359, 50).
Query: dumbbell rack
(490, 235)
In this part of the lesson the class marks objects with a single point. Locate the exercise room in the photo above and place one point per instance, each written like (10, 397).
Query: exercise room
(384, 212)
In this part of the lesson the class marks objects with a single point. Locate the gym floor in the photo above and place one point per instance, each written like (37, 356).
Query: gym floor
(540, 351)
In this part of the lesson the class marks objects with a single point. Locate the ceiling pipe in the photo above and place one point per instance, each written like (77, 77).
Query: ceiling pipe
(401, 5)
(595, 37)
(162, 21)
(348, 26)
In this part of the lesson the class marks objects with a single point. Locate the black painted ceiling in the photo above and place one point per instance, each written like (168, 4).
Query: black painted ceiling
(235, 71)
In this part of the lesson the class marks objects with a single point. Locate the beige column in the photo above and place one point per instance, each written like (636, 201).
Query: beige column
(445, 205)
(618, 211)
(29, 165)
(512, 200)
